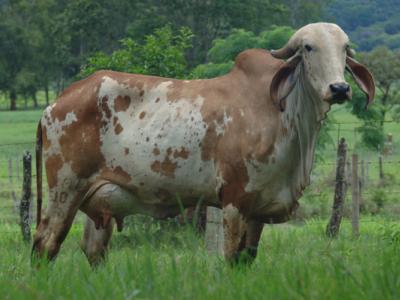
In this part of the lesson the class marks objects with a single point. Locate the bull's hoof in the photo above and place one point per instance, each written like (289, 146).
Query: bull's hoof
(243, 258)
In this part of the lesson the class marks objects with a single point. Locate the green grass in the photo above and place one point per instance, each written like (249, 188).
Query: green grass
(294, 262)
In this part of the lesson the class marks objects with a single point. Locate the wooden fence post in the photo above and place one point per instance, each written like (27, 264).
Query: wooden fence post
(355, 197)
(26, 198)
(17, 169)
(340, 189)
(214, 230)
(361, 183)
(10, 171)
(381, 176)
(348, 172)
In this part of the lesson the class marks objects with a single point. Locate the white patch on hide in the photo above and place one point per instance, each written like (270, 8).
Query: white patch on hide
(55, 129)
(169, 127)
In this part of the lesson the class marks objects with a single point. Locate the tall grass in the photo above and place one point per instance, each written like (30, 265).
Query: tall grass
(293, 263)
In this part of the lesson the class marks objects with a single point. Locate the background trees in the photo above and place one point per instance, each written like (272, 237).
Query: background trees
(46, 44)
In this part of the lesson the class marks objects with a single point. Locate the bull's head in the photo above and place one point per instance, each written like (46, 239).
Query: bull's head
(321, 53)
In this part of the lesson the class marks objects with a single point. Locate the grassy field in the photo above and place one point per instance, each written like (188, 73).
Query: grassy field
(294, 262)
(158, 262)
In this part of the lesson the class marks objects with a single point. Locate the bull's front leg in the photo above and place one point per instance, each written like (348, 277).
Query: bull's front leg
(241, 234)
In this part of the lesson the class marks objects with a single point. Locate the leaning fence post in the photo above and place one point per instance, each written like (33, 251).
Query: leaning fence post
(355, 197)
(26, 197)
(214, 230)
(333, 226)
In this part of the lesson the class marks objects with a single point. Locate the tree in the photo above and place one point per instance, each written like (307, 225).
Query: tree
(162, 54)
(15, 48)
(207, 20)
(385, 65)
(224, 51)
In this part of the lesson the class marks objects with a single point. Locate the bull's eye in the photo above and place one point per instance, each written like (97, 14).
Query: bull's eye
(308, 48)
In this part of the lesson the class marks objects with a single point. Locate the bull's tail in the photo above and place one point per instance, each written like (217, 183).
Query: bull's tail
(39, 167)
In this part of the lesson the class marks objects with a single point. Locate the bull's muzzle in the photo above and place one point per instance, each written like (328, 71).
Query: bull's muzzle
(340, 92)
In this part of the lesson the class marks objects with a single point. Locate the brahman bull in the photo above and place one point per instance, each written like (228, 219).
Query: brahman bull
(116, 144)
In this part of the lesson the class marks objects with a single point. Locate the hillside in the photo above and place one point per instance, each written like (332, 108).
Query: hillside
(369, 23)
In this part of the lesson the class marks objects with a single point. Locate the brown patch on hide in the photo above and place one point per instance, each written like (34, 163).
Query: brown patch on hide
(165, 167)
(122, 103)
(122, 174)
(126, 151)
(158, 99)
(105, 108)
(84, 155)
(156, 151)
(46, 141)
(183, 153)
(53, 164)
(118, 129)
(142, 115)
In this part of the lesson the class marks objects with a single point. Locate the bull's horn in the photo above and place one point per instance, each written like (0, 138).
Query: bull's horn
(283, 53)
(288, 50)
(350, 52)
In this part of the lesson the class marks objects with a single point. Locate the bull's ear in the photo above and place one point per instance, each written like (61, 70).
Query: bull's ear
(284, 81)
(362, 77)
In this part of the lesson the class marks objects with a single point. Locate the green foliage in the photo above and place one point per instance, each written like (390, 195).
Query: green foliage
(370, 24)
(385, 66)
(162, 54)
(379, 197)
(211, 70)
(276, 37)
(325, 139)
(224, 51)
(391, 233)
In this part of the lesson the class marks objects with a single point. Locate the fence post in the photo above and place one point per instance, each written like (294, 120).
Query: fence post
(214, 230)
(26, 197)
(355, 197)
(333, 226)
(10, 171)
(348, 172)
(17, 169)
(361, 184)
(381, 176)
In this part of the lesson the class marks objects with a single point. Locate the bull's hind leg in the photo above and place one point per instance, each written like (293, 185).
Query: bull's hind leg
(95, 241)
(55, 224)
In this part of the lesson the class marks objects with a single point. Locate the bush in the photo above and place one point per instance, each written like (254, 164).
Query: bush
(391, 233)
(162, 54)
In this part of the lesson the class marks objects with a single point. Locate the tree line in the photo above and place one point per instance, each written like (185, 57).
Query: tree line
(46, 44)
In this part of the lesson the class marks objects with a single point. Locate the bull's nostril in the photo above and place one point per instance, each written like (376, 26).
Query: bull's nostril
(339, 88)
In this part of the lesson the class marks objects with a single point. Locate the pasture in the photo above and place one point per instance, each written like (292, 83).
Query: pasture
(161, 260)
(294, 262)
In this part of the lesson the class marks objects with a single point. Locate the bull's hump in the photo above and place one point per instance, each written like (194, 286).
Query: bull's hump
(256, 62)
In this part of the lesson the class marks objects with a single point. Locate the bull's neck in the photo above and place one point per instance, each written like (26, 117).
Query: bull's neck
(304, 113)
